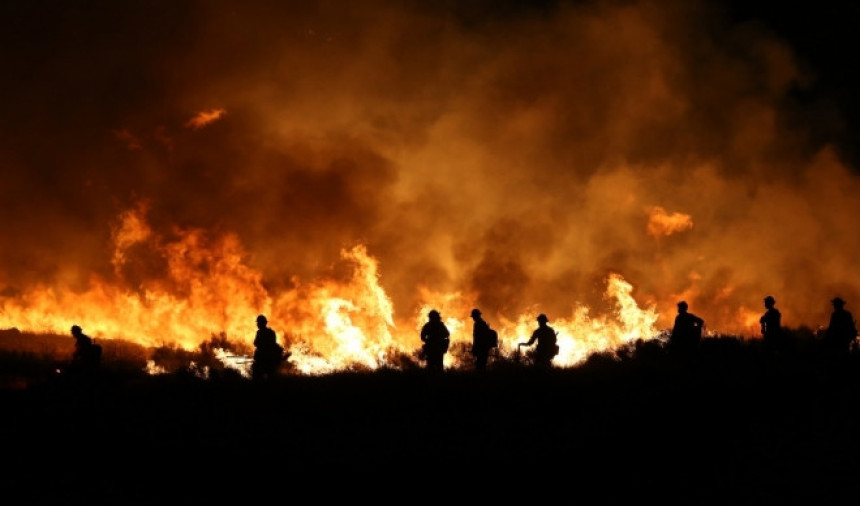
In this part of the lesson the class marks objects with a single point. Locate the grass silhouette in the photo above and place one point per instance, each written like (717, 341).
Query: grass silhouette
(726, 424)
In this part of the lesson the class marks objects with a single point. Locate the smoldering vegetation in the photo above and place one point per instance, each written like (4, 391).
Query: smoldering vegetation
(728, 424)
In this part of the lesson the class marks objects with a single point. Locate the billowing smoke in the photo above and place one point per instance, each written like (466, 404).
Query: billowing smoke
(517, 156)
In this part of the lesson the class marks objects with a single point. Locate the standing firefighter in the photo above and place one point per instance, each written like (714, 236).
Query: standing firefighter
(268, 354)
(436, 338)
(87, 355)
(547, 347)
(841, 331)
(771, 326)
(484, 339)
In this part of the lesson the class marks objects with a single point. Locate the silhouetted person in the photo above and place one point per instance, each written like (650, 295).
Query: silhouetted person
(842, 329)
(483, 340)
(771, 326)
(268, 354)
(547, 347)
(436, 338)
(87, 355)
(687, 331)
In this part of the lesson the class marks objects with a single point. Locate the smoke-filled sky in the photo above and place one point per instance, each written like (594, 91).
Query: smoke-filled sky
(513, 154)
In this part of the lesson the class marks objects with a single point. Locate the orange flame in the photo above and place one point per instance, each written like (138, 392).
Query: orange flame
(327, 324)
(580, 335)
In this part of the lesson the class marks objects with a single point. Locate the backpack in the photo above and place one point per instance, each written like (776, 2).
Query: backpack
(492, 338)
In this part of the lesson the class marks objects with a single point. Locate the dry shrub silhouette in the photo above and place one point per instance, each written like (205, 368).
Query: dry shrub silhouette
(728, 423)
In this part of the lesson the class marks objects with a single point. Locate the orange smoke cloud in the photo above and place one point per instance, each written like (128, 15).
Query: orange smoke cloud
(204, 118)
(661, 223)
(382, 159)
(131, 141)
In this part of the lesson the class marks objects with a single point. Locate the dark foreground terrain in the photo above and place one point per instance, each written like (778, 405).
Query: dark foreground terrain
(730, 425)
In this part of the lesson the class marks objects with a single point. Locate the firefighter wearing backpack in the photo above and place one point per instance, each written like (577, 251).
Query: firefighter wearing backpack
(842, 330)
(484, 339)
(87, 356)
(547, 347)
(268, 354)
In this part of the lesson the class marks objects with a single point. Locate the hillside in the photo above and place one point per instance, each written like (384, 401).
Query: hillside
(729, 425)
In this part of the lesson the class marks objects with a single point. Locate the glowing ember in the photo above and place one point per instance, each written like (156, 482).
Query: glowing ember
(153, 368)
(239, 363)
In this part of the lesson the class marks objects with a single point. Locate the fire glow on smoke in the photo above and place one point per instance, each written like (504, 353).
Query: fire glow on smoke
(327, 324)
(344, 168)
